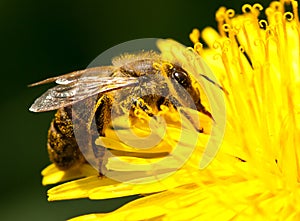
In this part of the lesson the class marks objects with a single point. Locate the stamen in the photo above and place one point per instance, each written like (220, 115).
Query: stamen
(220, 18)
(276, 6)
(242, 50)
(288, 16)
(217, 45)
(263, 24)
(195, 36)
(295, 11)
(230, 13)
(164, 67)
(247, 8)
(198, 47)
(258, 7)
(226, 28)
(156, 65)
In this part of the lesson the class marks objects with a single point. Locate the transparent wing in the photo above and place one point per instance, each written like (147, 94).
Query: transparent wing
(73, 88)
(103, 71)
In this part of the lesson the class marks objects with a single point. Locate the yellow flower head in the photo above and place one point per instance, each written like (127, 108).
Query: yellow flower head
(256, 174)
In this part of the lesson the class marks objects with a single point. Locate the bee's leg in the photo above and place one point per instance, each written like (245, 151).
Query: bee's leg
(176, 104)
(163, 101)
(140, 103)
(202, 109)
(102, 116)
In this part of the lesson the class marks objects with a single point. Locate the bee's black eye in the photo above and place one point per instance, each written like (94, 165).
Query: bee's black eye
(181, 77)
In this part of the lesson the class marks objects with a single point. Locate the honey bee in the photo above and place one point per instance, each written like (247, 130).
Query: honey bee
(95, 90)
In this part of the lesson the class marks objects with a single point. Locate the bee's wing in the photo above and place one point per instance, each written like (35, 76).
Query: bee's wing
(75, 75)
(77, 89)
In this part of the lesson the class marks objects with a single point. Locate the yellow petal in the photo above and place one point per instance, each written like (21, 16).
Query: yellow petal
(52, 174)
(78, 188)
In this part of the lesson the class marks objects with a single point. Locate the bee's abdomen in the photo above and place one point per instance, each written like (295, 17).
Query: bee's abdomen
(62, 146)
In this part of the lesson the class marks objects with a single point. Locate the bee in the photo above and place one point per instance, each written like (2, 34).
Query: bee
(95, 90)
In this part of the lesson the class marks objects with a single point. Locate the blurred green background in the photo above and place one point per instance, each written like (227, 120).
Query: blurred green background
(40, 39)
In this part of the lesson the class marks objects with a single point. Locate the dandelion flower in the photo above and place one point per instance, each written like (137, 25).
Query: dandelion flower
(256, 174)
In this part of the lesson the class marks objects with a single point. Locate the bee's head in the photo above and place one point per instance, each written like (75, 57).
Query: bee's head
(182, 80)
(173, 83)
(180, 76)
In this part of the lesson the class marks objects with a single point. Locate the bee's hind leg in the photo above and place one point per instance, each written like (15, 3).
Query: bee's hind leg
(102, 117)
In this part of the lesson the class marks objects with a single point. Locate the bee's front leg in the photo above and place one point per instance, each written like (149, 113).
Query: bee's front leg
(177, 105)
(141, 104)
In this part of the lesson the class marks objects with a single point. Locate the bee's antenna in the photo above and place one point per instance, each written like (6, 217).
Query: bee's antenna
(213, 82)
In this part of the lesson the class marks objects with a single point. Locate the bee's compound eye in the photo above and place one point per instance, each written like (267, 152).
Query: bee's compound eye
(181, 77)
